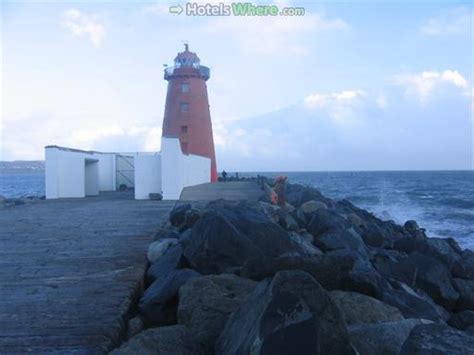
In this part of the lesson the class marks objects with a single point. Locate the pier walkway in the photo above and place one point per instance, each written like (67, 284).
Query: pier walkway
(232, 190)
(70, 269)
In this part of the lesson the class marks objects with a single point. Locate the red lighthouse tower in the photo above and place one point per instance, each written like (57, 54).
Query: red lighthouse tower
(187, 113)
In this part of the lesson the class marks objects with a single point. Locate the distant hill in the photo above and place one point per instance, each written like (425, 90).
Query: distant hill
(37, 165)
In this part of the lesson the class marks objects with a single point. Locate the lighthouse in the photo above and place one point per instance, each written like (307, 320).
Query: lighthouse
(187, 114)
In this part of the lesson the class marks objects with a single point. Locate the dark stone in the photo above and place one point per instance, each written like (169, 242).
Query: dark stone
(172, 260)
(291, 314)
(156, 196)
(462, 320)
(206, 302)
(358, 308)
(411, 303)
(159, 302)
(173, 340)
(331, 271)
(324, 221)
(191, 217)
(428, 274)
(166, 233)
(382, 338)
(433, 339)
(229, 234)
(443, 249)
(466, 294)
(411, 226)
(464, 267)
(178, 215)
(296, 195)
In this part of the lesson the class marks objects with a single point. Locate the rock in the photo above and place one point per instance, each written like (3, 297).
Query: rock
(171, 260)
(308, 208)
(173, 340)
(159, 302)
(280, 216)
(304, 241)
(229, 234)
(464, 267)
(331, 271)
(166, 233)
(358, 308)
(296, 195)
(438, 339)
(159, 247)
(428, 274)
(178, 215)
(411, 226)
(291, 313)
(466, 294)
(443, 249)
(134, 326)
(410, 303)
(324, 221)
(462, 320)
(382, 338)
(191, 217)
(206, 302)
(156, 196)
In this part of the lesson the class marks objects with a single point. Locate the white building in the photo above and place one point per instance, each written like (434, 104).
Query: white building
(79, 173)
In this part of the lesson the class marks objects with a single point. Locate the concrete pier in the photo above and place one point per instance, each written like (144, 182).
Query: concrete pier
(232, 190)
(70, 270)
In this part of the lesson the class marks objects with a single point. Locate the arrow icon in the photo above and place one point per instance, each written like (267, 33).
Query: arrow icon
(177, 9)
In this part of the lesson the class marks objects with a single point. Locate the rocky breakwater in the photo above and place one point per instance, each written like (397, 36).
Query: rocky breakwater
(315, 277)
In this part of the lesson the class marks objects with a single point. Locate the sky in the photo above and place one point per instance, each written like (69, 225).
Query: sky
(353, 85)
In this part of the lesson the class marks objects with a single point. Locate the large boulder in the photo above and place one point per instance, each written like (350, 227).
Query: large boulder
(178, 214)
(445, 250)
(296, 195)
(358, 308)
(171, 260)
(462, 320)
(206, 302)
(291, 313)
(160, 247)
(331, 271)
(306, 210)
(464, 267)
(411, 303)
(173, 340)
(466, 293)
(427, 274)
(382, 338)
(159, 302)
(438, 339)
(229, 234)
(280, 216)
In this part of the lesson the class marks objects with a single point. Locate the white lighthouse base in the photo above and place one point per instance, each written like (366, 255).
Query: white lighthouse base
(79, 173)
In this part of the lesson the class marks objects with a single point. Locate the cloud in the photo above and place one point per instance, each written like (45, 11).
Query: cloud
(158, 8)
(454, 22)
(276, 34)
(339, 106)
(424, 83)
(81, 24)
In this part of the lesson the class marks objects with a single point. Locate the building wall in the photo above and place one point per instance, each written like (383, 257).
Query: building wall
(66, 172)
(76, 173)
(147, 175)
(181, 170)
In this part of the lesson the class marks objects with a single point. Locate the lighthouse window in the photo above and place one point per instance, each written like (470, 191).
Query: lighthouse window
(185, 87)
(184, 107)
(184, 129)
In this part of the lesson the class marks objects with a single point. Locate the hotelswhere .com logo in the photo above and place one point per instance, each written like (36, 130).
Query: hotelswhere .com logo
(234, 9)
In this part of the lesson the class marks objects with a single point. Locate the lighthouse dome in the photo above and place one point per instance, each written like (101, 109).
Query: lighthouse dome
(187, 59)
